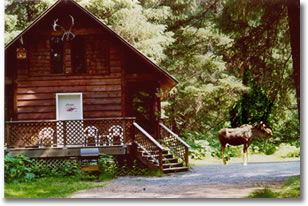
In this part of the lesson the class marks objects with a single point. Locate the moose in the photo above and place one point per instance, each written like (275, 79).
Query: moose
(242, 135)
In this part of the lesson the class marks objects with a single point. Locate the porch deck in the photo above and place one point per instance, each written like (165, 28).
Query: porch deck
(60, 139)
(65, 138)
(71, 151)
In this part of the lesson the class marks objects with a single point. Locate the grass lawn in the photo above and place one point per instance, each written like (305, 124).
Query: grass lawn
(209, 160)
(49, 187)
(290, 189)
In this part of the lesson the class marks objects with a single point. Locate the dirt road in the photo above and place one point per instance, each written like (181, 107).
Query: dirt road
(214, 181)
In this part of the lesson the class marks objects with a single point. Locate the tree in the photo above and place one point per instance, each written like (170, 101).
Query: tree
(294, 25)
(253, 107)
(261, 43)
(19, 14)
(127, 18)
(207, 90)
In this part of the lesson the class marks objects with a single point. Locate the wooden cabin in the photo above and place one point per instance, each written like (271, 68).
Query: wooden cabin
(73, 83)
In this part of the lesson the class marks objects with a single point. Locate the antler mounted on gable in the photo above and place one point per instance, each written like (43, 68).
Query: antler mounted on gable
(67, 34)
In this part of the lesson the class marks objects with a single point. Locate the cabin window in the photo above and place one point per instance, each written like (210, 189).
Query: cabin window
(78, 62)
(57, 65)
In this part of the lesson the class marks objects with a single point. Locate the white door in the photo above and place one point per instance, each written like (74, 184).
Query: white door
(69, 106)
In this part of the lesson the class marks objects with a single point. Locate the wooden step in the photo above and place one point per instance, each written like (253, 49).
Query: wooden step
(165, 156)
(165, 152)
(168, 156)
(171, 165)
(169, 160)
(175, 169)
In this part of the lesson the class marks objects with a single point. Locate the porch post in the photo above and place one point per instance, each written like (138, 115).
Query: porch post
(124, 128)
(161, 160)
(186, 157)
(7, 136)
(64, 134)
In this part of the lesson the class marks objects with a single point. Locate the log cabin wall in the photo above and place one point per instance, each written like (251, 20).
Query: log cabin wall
(101, 83)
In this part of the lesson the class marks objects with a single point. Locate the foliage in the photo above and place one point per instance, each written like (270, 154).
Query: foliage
(290, 189)
(111, 167)
(143, 106)
(108, 166)
(207, 144)
(263, 193)
(190, 108)
(253, 107)
(18, 169)
(127, 18)
(261, 44)
(286, 150)
(47, 187)
(20, 14)
(70, 168)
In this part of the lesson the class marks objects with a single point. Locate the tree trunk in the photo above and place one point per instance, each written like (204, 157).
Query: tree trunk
(294, 25)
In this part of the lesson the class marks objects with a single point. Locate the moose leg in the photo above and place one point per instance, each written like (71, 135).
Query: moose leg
(245, 154)
(223, 154)
(228, 146)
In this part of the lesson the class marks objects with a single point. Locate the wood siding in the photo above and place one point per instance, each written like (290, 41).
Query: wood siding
(36, 87)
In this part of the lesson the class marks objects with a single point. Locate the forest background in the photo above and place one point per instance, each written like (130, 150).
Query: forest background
(237, 61)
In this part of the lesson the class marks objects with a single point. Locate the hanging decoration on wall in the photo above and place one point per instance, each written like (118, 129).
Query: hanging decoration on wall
(21, 52)
(67, 34)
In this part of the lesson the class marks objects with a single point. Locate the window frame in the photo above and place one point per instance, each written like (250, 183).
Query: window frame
(52, 64)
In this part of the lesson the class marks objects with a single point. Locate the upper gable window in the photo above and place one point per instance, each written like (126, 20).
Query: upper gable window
(78, 55)
(57, 65)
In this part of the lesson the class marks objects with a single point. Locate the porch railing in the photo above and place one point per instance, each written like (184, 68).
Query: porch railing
(176, 145)
(62, 133)
(148, 149)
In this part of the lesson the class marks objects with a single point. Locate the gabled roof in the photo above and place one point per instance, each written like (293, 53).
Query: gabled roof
(169, 81)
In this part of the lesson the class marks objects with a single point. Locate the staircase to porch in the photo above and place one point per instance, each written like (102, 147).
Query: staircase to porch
(169, 154)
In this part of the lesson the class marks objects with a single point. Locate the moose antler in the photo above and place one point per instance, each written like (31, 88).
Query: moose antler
(72, 22)
(54, 26)
(67, 33)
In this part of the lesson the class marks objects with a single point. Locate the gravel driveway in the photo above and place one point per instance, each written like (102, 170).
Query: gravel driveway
(214, 181)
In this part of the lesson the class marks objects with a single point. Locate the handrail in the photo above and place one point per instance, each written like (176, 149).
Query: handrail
(148, 136)
(36, 121)
(176, 145)
(175, 135)
(145, 150)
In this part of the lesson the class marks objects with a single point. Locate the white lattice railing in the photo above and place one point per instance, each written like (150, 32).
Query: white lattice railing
(60, 133)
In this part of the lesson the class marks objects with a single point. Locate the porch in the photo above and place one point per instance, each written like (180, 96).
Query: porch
(58, 139)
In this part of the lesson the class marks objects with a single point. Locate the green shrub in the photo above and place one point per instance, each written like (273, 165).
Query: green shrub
(290, 189)
(264, 193)
(107, 166)
(21, 168)
(17, 169)
(286, 150)
(70, 168)
(203, 144)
